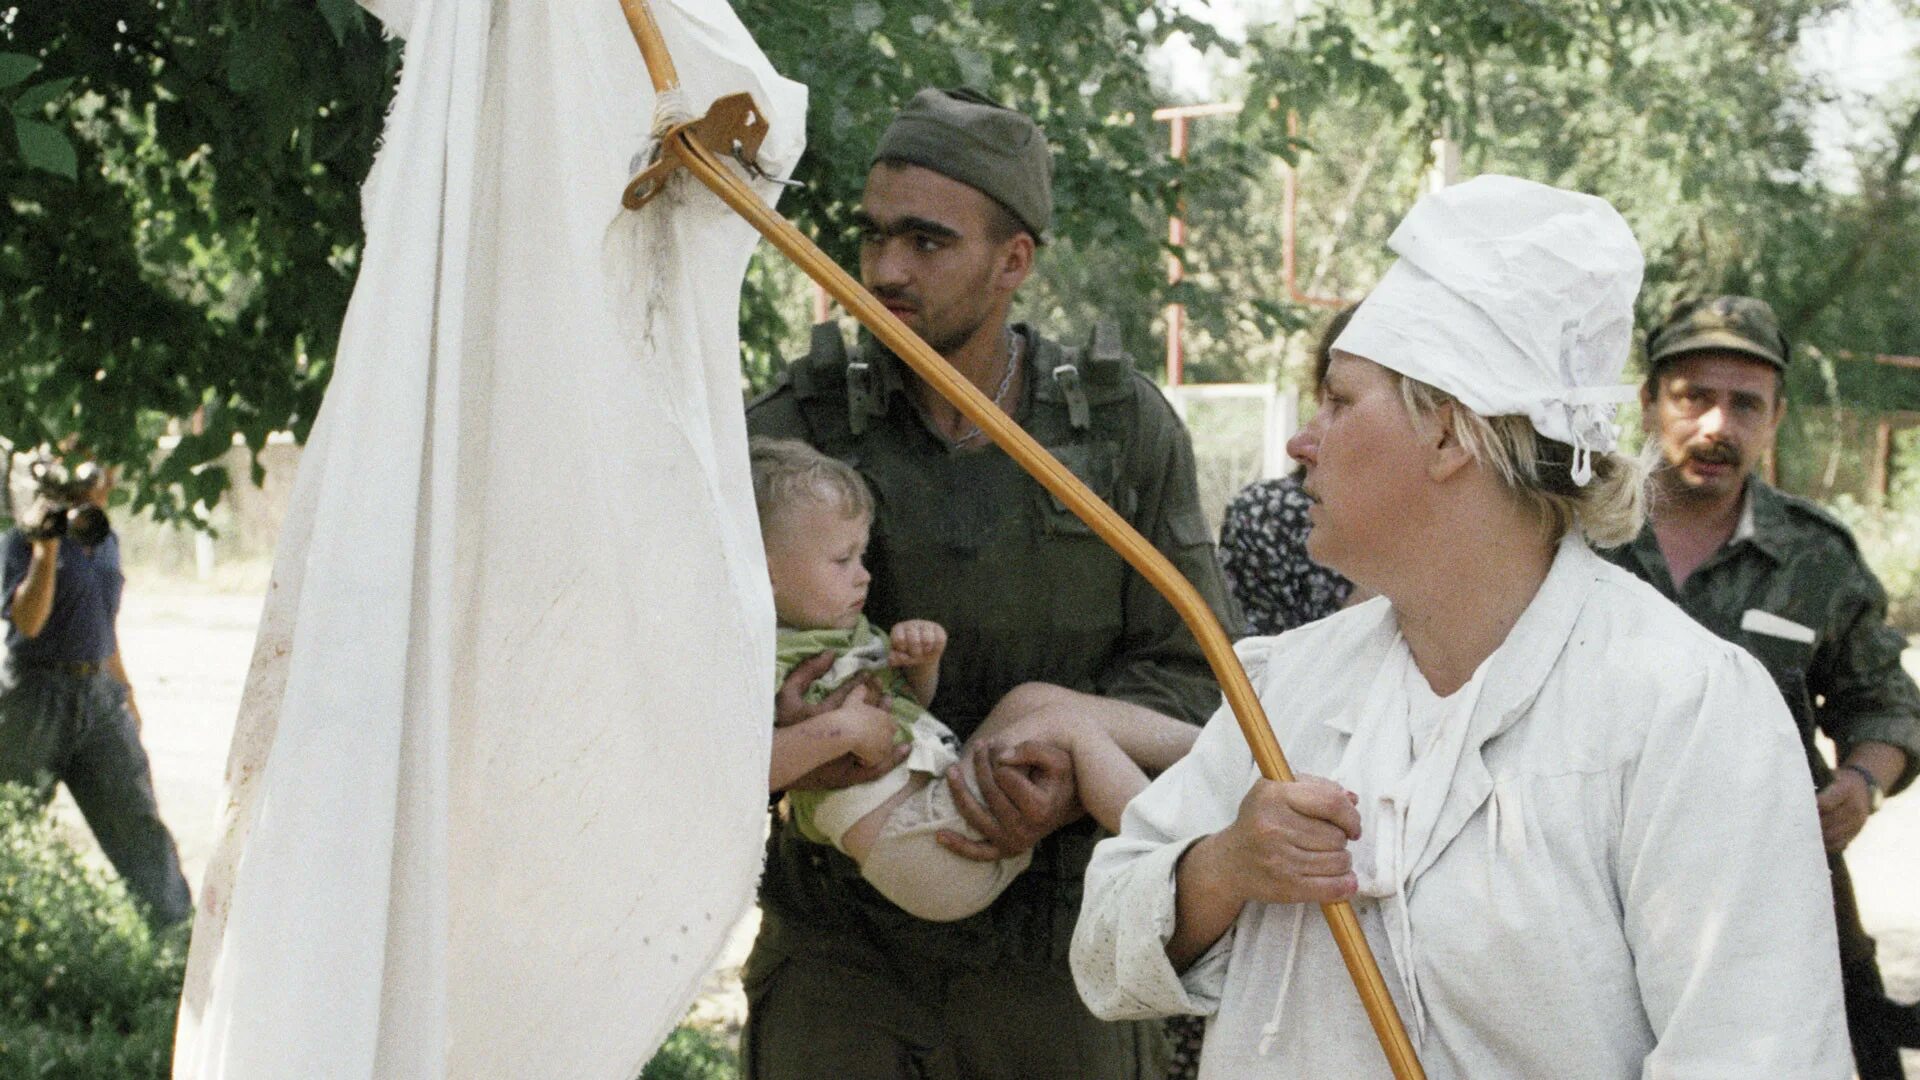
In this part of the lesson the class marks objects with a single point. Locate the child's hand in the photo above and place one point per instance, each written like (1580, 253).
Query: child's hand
(916, 643)
(869, 731)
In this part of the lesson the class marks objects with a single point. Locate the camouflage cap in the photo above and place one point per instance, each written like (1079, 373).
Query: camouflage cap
(968, 136)
(1739, 324)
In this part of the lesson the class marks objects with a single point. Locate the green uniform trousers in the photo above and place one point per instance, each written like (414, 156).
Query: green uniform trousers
(842, 985)
(819, 1018)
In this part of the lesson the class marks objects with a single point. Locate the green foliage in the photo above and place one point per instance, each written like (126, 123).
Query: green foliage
(87, 990)
(693, 1053)
(1689, 116)
(180, 227)
(41, 145)
(1090, 88)
(1889, 538)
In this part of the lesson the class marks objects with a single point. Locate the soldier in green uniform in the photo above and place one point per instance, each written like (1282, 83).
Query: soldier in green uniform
(1779, 576)
(842, 985)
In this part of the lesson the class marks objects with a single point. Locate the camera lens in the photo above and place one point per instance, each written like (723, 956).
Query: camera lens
(48, 523)
(87, 525)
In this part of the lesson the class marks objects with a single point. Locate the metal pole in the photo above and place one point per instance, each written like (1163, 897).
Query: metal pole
(1177, 237)
(1063, 485)
(1177, 117)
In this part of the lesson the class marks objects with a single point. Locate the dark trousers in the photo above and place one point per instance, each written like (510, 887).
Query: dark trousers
(1876, 1051)
(60, 727)
(843, 985)
(819, 1018)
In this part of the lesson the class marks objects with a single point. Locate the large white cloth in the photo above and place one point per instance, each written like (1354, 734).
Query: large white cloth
(498, 784)
(1619, 873)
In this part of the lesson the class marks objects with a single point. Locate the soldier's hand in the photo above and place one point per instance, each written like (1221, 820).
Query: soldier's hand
(790, 704)
(1026, 794)
(1844, 804)
(847, 770)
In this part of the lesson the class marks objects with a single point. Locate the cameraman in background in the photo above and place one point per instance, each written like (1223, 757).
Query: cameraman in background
(66, 710)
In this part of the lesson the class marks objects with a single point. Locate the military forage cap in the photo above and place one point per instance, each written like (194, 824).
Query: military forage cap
(1734, 323)
(966, 135)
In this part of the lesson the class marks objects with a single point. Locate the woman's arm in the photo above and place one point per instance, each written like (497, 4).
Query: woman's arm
(1288, 845)
(1164, 858)
(1724, 888)
(1205, 903)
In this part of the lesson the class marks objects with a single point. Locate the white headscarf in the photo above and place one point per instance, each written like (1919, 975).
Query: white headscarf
(1516, 298)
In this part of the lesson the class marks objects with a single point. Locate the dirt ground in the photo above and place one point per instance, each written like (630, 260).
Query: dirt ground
(187, 646)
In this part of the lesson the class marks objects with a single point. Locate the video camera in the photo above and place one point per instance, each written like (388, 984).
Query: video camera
(64, 503)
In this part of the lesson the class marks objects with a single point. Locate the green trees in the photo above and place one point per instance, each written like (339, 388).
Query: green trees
(179, 230)
(1079, 67)
(192, 246)
(180, 223)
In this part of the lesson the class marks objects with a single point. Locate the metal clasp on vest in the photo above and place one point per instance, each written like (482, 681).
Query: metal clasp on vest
(862, 398)
(1067, 377)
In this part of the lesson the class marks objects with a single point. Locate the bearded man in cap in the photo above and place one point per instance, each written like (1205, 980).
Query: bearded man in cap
(1041, 616)
(1782, 578)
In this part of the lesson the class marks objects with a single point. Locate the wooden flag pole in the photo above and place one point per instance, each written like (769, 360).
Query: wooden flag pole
(689, 147)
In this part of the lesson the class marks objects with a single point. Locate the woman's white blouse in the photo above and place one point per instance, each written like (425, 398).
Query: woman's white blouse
(1618, 872)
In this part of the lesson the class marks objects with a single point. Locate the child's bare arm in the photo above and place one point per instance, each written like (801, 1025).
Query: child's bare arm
(857, 728)
(1106, 776)
(915, 648)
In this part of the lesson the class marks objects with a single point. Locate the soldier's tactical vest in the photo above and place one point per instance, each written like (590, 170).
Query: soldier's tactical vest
(841, 391)
(1083, 411)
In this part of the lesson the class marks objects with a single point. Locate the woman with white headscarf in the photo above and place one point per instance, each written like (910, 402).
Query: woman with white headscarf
(1575, 826)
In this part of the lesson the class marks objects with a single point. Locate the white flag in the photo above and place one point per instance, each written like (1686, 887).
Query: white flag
(498, 785)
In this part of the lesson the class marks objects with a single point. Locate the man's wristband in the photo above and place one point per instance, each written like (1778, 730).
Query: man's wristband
(1874, 795)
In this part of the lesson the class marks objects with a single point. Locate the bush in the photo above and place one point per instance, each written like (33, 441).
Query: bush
(89, 992)
(692, 1053)
(1889, 538)
(87, 989)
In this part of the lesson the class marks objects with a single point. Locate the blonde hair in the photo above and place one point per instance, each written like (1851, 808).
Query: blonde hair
(788, 473)
(1538, 472)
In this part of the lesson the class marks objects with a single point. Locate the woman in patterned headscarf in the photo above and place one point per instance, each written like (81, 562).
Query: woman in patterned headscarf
(1263, 540)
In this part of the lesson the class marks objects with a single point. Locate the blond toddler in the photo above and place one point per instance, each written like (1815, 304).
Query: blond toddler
(815, 516)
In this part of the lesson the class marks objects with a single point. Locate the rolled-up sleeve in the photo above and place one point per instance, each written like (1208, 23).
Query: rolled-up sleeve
(1868, 696)
(1128, 909)
(1120, 945)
